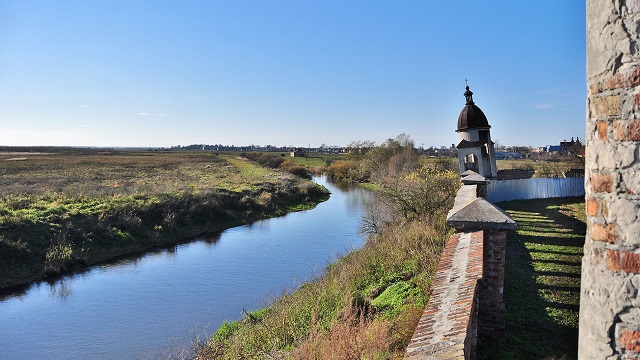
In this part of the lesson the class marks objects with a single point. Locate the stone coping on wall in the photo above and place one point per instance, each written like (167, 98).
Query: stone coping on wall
(471, 177)
(448, 326)
(471, 212)
(466, 194)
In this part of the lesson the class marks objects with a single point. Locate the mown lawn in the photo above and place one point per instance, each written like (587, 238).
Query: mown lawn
(542, 281)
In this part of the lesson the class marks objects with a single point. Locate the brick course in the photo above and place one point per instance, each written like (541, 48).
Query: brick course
(634, 130)
(491, 316)
(593, 206)
(630, 340)
(605, 106)
(607, 233)
(601, 182)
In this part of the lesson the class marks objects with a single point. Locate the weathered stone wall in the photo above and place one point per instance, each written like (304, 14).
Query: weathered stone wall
(610, 302)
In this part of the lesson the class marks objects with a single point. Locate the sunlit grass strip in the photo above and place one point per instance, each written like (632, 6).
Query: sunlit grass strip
(542, 281)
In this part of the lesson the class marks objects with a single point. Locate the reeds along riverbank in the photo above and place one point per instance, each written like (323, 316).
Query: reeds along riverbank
(59, 213)
(366, 305)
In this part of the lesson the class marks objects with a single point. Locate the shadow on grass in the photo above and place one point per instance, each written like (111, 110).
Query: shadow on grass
(542, 281)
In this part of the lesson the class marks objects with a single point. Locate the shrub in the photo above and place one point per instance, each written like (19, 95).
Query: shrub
(428, 190)
(270, 161)
(344, 170)
(60, 256)
(291, 167)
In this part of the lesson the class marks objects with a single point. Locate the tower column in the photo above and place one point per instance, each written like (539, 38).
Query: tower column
(609, 301)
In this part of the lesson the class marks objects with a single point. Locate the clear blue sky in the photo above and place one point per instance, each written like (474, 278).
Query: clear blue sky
(162, 73)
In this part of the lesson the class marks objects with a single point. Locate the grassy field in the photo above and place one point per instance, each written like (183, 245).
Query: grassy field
(543, 168)
(64, 211)
(316, 163)
(542, 281)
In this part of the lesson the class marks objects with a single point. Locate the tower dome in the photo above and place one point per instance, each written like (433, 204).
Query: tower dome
(471, 117)
(475, 150)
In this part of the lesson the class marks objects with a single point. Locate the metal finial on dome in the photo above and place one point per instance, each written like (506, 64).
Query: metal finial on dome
(471, 117)
(469, 96)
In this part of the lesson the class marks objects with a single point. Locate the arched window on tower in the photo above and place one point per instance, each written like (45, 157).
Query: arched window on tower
(471, 162)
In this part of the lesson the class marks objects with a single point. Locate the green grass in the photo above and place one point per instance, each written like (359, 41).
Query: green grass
(542, 281)
(311, 160)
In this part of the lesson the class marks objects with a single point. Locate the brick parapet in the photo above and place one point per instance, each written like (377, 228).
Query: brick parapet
(609, 304)
(448, 326)
(491, 316)
(466, 298)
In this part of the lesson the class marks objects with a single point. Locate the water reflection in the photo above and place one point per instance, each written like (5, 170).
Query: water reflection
(211, 238)
(260, 225)
(60, 289)
(340, 185)
(18, 292)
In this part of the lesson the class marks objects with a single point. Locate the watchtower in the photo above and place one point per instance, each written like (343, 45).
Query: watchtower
(475, 150)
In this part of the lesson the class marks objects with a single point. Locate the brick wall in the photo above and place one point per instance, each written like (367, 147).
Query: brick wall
(609, 303)
(466, 298)
(448, 326)
(491, 314)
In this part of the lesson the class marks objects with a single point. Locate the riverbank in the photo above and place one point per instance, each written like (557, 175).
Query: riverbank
(64, 212)
(365, 305)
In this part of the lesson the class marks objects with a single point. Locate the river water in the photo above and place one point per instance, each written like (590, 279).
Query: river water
(144, 306)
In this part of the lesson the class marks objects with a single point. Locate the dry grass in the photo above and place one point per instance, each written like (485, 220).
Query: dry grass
(126, 174)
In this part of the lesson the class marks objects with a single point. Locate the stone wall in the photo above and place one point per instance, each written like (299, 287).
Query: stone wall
(610, 303)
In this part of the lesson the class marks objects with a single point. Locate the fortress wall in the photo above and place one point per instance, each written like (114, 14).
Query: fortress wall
(610, 302)
(448, 326)
(466, 297)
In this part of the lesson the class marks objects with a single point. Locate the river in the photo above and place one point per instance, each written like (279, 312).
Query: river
(142, 307)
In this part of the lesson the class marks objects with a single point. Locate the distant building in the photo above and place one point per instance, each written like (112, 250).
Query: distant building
(297, 153)
(566, 145)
